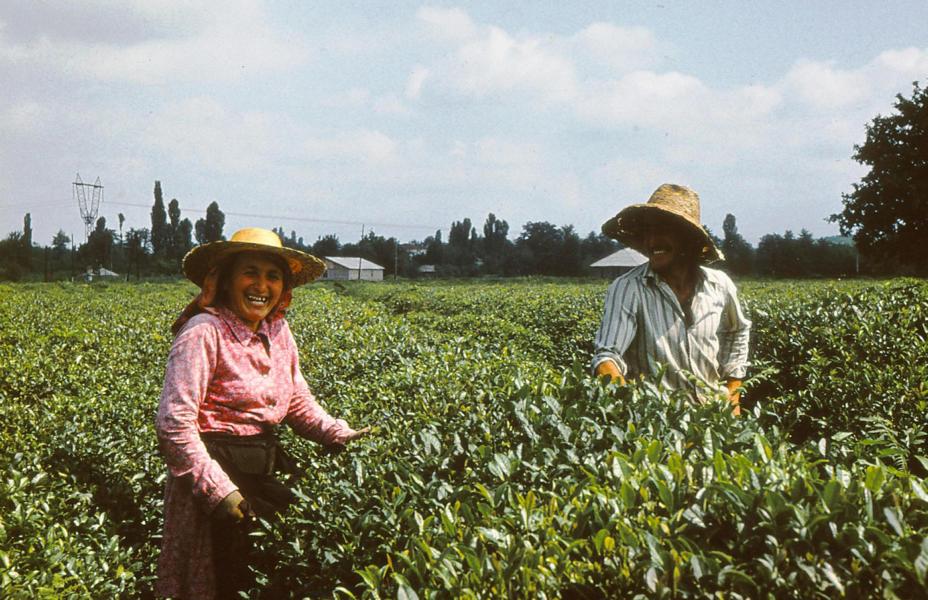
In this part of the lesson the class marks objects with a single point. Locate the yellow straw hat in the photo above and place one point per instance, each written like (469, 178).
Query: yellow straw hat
(303, 267)
(677, 201)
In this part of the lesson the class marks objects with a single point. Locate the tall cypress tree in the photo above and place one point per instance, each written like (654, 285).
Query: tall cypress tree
(159, 224)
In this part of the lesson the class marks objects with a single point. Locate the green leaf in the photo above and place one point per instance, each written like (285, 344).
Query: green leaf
(874, 478)
(921, 562)
(893, 519)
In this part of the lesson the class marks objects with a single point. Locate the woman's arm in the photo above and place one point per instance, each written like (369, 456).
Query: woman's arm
(191, 364)
(305, 414)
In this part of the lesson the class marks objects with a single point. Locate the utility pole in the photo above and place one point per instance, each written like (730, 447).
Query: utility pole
(359, 252)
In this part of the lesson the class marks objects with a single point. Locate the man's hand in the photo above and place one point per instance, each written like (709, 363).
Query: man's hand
(607, 367)
(734, 395)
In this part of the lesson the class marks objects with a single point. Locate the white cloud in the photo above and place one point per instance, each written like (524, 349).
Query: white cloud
(623, 48)
(451, 24)
(22, 118)
(230, 42)
(645, 98)
(823, 87)
(498, 62)
(202, 131)
(415, 81)
(390, 105)
(361, 145)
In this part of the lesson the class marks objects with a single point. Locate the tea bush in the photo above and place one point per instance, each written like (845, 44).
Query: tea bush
(498, 467)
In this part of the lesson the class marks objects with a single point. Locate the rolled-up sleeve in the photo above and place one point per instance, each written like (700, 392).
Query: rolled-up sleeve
(734, 336)
(305, 415)
(191, 364)
(618, 326)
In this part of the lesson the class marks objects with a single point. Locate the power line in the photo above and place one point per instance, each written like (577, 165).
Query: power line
(27, 205)
(291, 218)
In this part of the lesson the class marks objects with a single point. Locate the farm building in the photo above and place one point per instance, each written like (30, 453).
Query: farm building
(619, 262)
(343, 268)
(99, 273)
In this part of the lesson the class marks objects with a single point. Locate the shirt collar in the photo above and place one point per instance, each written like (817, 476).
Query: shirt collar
(650, 275)
(239, 328)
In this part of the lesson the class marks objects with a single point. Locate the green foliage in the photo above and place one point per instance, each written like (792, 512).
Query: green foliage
(886, 211)
(498, 468)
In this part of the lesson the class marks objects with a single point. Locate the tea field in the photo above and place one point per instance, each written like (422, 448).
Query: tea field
(498, 468)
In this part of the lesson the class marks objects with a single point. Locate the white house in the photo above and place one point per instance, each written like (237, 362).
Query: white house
(343, 268)
(619, 262)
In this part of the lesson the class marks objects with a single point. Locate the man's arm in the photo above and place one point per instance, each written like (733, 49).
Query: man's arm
(616, 330)
(734, 337)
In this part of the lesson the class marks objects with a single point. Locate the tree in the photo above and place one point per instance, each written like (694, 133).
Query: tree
(160, 233)
(887, 213)
(327, 245)
(739, 255)
(210, 229)
(60, 244)
(495, 244)
(99, 247)
(596, 246)
(11, 257)
(27, 240)
(540, 247)
(137, 242)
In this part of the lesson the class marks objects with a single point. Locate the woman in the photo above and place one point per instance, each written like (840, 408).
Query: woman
(672, 315)
(232, 375)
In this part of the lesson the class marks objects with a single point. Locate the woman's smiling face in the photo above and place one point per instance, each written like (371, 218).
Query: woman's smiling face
(254, 287)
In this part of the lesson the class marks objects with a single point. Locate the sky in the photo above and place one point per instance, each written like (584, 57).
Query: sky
(402, 117)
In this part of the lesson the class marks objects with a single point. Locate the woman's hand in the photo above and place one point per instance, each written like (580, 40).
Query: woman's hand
(355, 435)
(208, 289)
(234, 507)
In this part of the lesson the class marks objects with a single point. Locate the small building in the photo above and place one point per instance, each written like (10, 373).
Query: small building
(345, 268)
(619, 262)
(99, 273)
(427, 271)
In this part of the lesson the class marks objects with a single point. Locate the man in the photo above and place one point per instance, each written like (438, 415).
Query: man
(672, 312)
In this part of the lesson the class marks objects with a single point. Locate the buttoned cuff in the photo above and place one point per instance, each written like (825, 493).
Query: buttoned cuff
(733, 372)
(214, 489)
(601, 358)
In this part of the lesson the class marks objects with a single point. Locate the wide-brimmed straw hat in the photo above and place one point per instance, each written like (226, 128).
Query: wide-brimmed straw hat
(303, 267)
(676, 201)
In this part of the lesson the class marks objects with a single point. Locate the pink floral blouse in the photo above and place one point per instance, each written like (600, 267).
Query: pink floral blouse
(222, 376)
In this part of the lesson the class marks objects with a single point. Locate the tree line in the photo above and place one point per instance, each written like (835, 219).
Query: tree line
(884, 221)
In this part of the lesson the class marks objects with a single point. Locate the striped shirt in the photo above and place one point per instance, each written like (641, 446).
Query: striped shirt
(644, 329)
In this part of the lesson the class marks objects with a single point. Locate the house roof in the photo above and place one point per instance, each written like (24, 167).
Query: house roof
(626, 257)
(351, 262)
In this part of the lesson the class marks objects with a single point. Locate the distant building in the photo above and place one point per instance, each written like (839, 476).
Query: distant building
(99, 273)
(619, 262)
(344, 268)
(427, 270)
(413, 249)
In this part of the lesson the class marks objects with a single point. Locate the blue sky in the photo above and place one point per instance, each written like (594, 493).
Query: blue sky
(407, 116)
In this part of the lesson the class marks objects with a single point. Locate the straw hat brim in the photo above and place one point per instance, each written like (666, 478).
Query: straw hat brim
(626, 228)
(304, 267)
